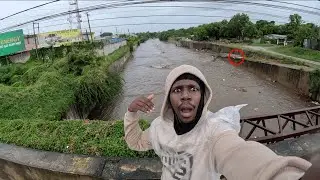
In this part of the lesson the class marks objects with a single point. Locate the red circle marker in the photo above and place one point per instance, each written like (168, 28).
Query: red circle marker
(232, 62)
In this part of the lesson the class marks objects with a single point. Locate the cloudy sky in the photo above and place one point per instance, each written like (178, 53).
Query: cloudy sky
(124, 19)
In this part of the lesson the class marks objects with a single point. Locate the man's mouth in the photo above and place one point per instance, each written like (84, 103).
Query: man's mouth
(186, 111)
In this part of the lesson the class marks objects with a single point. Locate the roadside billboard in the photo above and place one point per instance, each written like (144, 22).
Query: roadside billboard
(59, 38)
(11, 42)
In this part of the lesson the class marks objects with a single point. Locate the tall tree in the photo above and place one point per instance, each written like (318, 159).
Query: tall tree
(201, 34)
(293, 25)
(224, 31)
(213, 30)
(305, 31)
(237, 24)
(266, 27)
(250, 31)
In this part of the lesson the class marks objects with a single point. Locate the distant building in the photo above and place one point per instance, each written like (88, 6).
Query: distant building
(312, 44)
(29, 41)
(281, 39)
(23, 56)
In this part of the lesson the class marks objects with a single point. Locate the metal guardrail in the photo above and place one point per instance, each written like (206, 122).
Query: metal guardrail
(276, 127)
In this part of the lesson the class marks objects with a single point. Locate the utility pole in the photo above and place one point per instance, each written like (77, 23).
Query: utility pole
(35, 37)
(87, 35)
(74, 6)
(116, 31)
(78, 15)
(89, 26)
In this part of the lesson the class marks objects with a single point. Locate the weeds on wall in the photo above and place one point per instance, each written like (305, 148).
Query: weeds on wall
(314, 83)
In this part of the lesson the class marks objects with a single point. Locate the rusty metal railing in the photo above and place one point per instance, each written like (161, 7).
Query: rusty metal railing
(278, 127)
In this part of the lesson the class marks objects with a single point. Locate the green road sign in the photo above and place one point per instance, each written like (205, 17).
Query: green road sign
(11, 42)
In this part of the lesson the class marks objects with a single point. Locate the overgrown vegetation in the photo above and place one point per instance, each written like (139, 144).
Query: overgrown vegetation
(46, 90)
(241, 28)
(35, 96)
(315, 83)
(99, 138)
(299, 52)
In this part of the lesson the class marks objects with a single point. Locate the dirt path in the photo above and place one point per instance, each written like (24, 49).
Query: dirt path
(268, 50)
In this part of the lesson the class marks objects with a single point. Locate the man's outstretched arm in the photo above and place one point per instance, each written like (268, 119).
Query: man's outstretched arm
(136, 138)
(236, 159)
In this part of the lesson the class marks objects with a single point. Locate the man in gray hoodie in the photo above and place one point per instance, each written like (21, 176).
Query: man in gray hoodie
(196, 144)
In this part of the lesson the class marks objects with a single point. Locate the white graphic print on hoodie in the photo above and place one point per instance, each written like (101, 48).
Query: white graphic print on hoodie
(212, 146)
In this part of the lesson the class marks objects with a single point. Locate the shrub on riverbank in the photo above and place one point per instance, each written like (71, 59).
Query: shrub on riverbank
(99, 138)
(50, 95)
(46, 90)
(35, 95)
(315, 84)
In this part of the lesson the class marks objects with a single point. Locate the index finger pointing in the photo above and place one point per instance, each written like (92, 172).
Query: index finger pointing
(150, 97)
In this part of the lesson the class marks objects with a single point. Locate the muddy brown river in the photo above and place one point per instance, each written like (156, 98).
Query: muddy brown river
(153, 60)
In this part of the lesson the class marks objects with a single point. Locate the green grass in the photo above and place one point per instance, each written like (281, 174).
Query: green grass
(35, 96)
(262, 45)
(46, 90)
(98, 138)
(299, 52)
(47, 98)
(265, 56)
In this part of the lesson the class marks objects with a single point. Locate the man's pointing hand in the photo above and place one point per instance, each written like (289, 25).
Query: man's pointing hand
(143, 104)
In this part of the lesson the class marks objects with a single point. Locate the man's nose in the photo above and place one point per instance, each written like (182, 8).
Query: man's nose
(185, 95)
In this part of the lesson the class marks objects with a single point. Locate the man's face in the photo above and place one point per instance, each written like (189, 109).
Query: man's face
(185, 97)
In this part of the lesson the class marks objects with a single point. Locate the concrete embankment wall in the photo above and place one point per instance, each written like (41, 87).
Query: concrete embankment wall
(291, 76)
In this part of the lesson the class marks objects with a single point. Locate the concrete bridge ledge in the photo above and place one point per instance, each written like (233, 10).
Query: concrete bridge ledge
(23, 163)
(52, 161)
(304, 146)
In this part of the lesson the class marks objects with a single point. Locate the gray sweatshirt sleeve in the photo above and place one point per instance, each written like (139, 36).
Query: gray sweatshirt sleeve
(236, 159)
(136, 138)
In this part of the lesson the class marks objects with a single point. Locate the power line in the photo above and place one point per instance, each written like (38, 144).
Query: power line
(92, 14)
(138, 24)
(149, 23)
(29, 9)
(155, 15)
(134, 3)
(80, 10)
(210, 8)
(197, 7)
(161, 15)
(294, 4)
(266, 5)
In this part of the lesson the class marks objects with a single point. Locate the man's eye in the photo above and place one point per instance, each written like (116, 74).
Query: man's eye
(194, 89)
(177, 90)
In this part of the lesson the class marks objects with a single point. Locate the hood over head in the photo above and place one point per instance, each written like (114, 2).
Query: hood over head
(167, 113)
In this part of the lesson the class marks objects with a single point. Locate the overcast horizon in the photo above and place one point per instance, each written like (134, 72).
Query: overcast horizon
(199, 13)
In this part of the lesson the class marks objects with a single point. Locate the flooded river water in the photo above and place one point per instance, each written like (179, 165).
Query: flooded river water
(153, 60)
